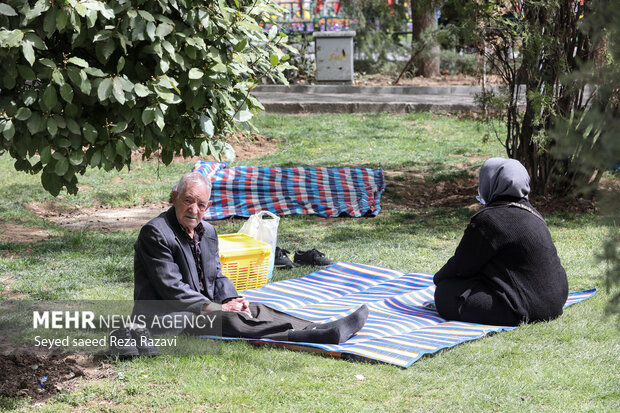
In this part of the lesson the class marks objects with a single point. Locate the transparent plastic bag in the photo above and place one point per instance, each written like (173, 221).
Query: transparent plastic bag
(263, 226)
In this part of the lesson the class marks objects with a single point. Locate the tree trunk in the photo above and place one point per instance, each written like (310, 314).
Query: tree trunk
(424, 18)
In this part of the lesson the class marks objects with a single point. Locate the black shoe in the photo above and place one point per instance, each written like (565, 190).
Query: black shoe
(122, 343)
(282, 260)
(311, 257)
(144, 342)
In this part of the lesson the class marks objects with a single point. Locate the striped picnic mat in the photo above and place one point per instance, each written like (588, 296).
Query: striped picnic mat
(327, 192)
(399, 329)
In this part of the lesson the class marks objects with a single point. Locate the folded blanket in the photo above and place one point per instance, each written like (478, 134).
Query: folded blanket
(400, 328)
(327, 192)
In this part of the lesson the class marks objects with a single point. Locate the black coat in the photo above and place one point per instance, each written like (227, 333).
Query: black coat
(164, 267)
(510, 250)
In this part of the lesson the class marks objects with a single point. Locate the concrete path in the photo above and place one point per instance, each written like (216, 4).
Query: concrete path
(365, 99)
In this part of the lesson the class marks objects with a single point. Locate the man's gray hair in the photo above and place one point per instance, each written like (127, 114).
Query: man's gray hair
(195, 177)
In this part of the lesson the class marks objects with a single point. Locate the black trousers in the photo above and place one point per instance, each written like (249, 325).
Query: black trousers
(472, 301)
(266, 322)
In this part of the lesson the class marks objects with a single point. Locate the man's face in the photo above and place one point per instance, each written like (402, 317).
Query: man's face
(191, 204)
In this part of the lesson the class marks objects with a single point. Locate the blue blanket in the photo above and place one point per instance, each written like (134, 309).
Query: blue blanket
(399, 330)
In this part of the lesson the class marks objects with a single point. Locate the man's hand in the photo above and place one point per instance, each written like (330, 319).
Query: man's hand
(238, 305)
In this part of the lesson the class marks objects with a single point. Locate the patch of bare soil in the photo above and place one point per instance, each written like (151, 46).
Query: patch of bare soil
(246, 146)
(41, 376)
(443, 80)
(21, 234)
(406, 190)
(103, 219)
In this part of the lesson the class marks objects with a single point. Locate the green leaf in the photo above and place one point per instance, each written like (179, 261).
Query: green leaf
(119, 127)
(57, 77)
(61, 19)
(241, 45)
(76, 157)
(243, 116)
(93, 71)
(206, 124)
(204, 148)
(26, 73)
(66, 92)
(274, 60)
(148, 115)
(117, 90)
(95, 160)
(52, 128)
(7, 10)
(28, 52)
(195, 73)
(9, 130)
(150, 31)
(62, 166)
(146, 15)
(159, 119)
(109, 152)
(141, 90)
(11, 38)
(166, 156)
(48, 63)
(130, 143)
(78, 61)
(85, 85)
(121, 148)
(51, 183)
(105, 50)
(90, 132)
(73, 127)
(229, 152)
(29, 97)
(163, 30)
(23, 113)
(104, 91)
(35, 40)
(49, 97)
(219, 67)
(45, 154)
(49, 22)
(120, 65)
(35, 124)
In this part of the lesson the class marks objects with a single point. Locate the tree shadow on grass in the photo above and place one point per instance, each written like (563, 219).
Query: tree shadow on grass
(62, 266)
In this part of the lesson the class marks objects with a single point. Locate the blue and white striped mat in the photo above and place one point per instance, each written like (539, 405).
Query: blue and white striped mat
(399, 329)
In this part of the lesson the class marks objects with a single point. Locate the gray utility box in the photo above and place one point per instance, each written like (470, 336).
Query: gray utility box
(334, 57)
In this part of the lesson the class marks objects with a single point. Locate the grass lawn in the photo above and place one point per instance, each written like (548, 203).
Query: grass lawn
(569, 364)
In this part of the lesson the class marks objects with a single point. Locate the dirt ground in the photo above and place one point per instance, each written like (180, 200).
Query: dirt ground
(443, 80)
(246, 147)
(41, 376)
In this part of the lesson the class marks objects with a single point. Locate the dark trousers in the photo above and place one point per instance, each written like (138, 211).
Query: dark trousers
(472, 301)
(266, 322)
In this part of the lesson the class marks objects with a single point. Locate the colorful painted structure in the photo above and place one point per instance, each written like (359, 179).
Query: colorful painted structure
(307, 16)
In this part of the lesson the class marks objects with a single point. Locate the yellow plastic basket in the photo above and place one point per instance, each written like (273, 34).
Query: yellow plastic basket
(245, 260)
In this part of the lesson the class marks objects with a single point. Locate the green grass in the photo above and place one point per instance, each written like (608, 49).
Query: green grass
(569, 364)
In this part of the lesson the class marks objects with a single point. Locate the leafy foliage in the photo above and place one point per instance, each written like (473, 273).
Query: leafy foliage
(85, 83)
(590, 136)
(535, 46)
(377, 22)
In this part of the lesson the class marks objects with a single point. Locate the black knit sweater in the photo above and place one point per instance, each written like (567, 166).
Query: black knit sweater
(510, 250)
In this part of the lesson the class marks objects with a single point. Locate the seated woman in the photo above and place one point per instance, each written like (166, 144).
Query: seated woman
(506, 269)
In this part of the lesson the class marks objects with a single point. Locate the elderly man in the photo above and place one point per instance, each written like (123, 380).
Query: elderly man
(177, 259)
